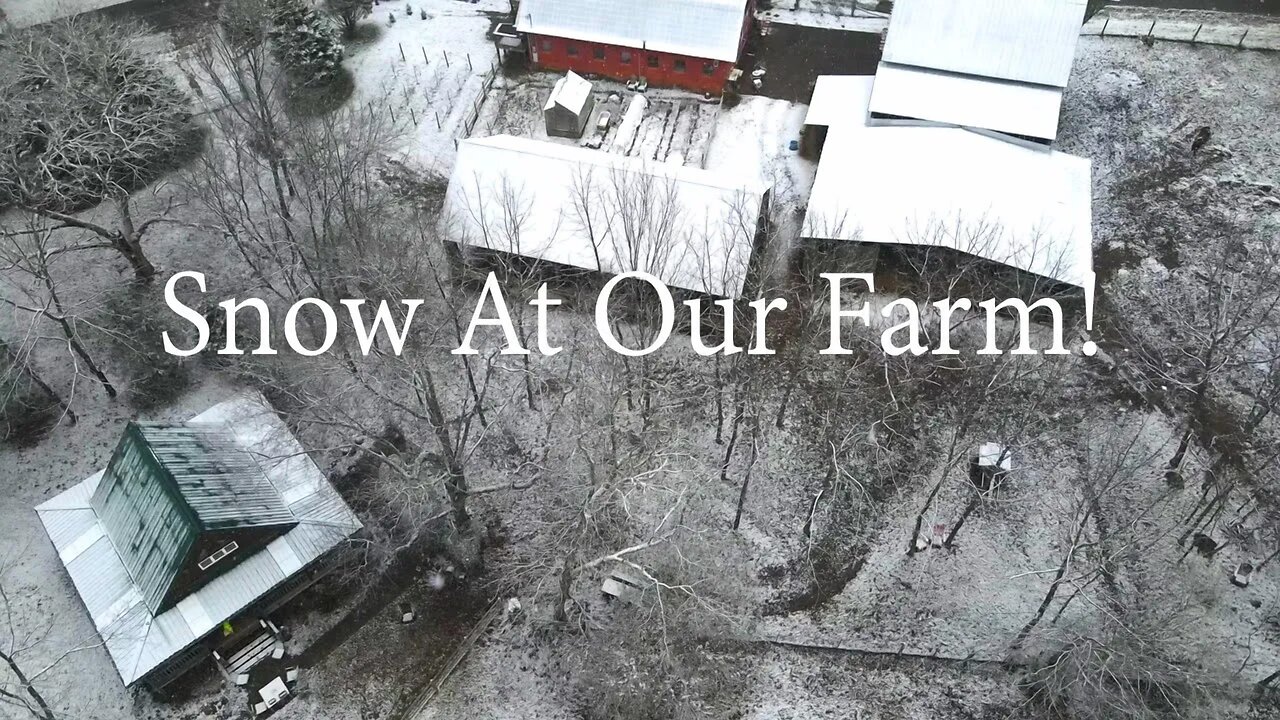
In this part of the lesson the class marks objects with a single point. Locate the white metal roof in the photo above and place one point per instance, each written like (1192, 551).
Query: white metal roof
(692, 228)
(964, 100)
(137, 641)
(709, 29)
(1029, 208)
(1030, 41)
(840, 100)
(571, 93)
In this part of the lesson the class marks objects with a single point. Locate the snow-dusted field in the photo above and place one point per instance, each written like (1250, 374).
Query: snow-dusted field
(1125, 100)
(24, 13)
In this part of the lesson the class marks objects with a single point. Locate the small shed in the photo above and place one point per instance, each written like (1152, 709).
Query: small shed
(569, 107)
(990, 466)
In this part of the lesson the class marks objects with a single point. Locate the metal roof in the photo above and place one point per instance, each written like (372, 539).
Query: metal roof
(165, 485)
(1030, 41)
(967, 101)
(993, 64)
(1025, 207)
(222, 484)
(710, 29)
(692, 228)
(840, 100)
(138, 640)
(571, 93)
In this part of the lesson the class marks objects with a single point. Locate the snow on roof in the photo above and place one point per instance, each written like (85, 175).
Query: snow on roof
(840, 100)
(1013, 108)
(692, 228)
(1032, 41)
(1025, 207)
(571, 92)
(994, 64)
(709, 29)
(139, 642)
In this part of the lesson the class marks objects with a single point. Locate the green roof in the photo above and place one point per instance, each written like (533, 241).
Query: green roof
(167, 487)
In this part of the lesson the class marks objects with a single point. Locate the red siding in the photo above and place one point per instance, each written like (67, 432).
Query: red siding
(622, 63)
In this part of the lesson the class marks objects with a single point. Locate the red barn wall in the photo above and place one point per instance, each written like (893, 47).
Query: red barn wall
(623, 63)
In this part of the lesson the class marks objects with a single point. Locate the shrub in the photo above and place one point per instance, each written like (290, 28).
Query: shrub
(305, 42)
(26, 412)
(132, 319)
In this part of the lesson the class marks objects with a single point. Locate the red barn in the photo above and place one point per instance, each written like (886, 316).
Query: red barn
(691, 44)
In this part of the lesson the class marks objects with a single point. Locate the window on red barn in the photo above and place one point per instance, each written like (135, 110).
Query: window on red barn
(598, 53)
(679, 65)
(546, 45)
(653, 61)
(571, 50)
(708, 68)
(625, 55)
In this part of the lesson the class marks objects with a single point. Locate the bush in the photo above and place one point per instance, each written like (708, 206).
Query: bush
(26, 412)
(132, 320)
(306, 43)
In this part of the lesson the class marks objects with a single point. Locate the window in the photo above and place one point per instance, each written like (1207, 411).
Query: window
(226, 550)
(679, 65)
(571, 50)
(708, 68)
(653, 61)
(598, 53)
(625, 55)
(546, 46)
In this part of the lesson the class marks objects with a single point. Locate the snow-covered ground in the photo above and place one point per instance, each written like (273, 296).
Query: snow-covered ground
(846, 15)
(427, 74)
(24, 13)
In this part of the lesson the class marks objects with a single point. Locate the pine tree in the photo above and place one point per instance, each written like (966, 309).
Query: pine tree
(305, 42)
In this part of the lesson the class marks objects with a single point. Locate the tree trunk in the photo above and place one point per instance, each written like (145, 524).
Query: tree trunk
(456, 483)
(73, 339)
(566, 586)
(733, 441)
(41, 709)
(1053, 587)
(1173, 472)
(130, 244)
(969, 507)
(746, 481)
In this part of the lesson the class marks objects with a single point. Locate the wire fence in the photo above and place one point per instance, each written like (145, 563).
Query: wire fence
(1173, 30)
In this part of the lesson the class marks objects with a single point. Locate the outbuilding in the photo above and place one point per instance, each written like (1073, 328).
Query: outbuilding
(191, 534)
(992, 65)
(569, 106)
(691, 44)
(693, 229)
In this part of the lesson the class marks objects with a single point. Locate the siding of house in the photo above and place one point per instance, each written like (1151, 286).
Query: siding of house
(623, 63)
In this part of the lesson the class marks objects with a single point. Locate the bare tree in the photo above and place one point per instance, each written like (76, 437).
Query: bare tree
(86, 118)
(31, 253)
(25, 655)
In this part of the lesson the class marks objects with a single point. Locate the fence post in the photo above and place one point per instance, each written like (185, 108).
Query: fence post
(446, 57)
(1152, 30)
(1105, 21)
(401, 46)
(425, 61)
(413, 116)
(439, 126)
(392, 112)
(1242, 37)
(1197, 33)
(471, 68)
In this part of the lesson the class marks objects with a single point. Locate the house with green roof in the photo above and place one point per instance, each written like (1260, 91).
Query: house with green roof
(192, 531)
